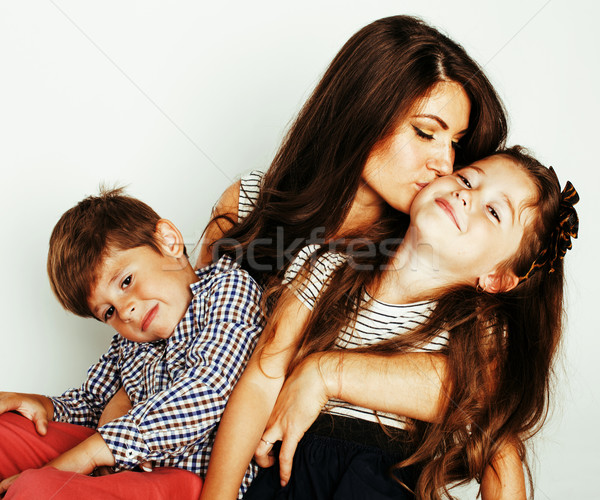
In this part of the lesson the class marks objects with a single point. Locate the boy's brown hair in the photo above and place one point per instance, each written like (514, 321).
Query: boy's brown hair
(83, 236)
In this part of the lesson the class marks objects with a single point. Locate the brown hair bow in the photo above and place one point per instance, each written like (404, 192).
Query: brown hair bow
(559, 240)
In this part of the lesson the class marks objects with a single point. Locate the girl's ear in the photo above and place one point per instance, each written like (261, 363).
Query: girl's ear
(495, 282)
(170, 239)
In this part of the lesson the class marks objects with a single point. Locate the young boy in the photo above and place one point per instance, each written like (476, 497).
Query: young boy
(183, 340)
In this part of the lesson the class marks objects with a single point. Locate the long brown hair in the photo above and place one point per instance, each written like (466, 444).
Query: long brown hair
(378, 76)
(500, 350)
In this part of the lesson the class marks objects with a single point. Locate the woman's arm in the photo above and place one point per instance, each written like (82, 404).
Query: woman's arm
(227, 205)
(406, 384)
(504, 479)
(251, 402)
(409, 384)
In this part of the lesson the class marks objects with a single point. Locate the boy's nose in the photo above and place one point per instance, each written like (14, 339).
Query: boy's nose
(128, 313)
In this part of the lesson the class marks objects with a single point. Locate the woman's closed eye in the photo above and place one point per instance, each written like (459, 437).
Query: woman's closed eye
(422, 135)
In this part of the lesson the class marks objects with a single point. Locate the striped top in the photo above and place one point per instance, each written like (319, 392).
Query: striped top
(376, 321)
(249, 190)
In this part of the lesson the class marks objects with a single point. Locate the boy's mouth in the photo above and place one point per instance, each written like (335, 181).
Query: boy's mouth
(150, 315)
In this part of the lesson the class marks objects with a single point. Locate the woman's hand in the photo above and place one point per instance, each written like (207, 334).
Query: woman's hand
(300, 401)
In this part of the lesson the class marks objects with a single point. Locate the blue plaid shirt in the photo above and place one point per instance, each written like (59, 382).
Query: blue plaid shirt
(178, 386)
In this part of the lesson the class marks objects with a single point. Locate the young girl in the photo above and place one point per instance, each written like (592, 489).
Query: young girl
(478, 278)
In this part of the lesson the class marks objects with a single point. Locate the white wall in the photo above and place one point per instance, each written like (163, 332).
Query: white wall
(174, 99)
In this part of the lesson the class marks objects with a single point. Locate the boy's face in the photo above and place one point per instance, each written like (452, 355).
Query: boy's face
(142, 294)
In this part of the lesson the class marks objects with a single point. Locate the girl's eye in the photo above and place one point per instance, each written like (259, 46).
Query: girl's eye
(494, 213)
(109, 312)
(464, 180)
(126, 282)
(422, 134)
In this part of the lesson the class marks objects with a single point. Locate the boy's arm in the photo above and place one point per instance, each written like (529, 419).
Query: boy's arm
(181, 419)
(85, 457)
(82, 459)
(83, 406)
(504, 479)
(79, 406)
(251, 403)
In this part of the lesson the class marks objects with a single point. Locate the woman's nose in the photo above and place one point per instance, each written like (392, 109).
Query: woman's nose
(442, 162)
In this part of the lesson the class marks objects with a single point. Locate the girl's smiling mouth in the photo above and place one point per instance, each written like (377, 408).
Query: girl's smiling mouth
(446, 207)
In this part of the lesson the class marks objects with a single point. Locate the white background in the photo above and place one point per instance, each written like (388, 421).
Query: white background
(175, 99)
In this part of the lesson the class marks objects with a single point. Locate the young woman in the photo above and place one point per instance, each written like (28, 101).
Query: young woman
(397, 106)
(479, 279)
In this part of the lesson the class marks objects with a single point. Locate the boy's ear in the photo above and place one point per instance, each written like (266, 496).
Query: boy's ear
(170, 239)
(496, 282)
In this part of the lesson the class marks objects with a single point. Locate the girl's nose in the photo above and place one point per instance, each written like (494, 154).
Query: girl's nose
(464, 195)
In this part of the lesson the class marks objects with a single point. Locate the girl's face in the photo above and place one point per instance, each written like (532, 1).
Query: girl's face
(475, 218)
(420, 149)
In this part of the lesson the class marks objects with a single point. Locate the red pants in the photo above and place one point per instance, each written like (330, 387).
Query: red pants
(23, 449)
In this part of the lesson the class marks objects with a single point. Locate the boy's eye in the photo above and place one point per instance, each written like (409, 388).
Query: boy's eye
(422, 134)
(493, 212)
(109, 312)
(126, 282)
(464, 180)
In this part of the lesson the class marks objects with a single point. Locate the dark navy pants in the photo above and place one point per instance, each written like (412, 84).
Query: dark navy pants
(342, 459)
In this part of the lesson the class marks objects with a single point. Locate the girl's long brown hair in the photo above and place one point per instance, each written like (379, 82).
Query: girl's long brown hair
(499, 355)
(379, 75)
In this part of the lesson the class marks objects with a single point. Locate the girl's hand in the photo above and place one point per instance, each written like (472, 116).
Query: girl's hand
(300, 401)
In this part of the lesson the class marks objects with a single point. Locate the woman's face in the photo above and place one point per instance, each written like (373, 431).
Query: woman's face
(420, 149)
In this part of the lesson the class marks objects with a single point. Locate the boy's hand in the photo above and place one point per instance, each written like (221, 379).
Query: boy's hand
(7, 482)
(82, 459)
(85, 457)
(37, 408)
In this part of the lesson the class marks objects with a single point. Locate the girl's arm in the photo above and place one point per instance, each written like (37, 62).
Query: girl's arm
(251, 403)
(227, 205)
